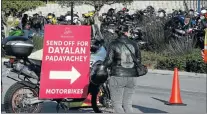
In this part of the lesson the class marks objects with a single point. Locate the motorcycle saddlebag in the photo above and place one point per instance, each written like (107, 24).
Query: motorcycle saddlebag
(19, 48)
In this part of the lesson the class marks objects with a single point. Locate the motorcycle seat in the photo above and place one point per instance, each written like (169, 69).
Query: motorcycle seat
(14, 38)
(36, 62)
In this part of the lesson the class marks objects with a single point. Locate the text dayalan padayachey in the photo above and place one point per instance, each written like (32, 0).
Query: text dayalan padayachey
(66, 51)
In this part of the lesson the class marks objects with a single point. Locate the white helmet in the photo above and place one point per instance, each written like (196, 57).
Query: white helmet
(68, 18)
(203, 11)
(161, 14)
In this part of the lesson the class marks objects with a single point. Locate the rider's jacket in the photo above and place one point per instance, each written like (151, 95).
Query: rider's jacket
(203, 23)
(119, 58)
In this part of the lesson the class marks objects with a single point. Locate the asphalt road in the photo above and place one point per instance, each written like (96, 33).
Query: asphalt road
(152, 91)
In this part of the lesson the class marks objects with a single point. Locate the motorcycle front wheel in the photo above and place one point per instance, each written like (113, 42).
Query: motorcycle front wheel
(16, 97)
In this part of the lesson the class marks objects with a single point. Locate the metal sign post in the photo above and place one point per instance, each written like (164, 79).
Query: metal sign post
(72, 13)
(199, 5)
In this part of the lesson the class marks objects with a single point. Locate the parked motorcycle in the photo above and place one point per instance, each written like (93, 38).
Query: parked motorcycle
(16, 31)
(29, 70)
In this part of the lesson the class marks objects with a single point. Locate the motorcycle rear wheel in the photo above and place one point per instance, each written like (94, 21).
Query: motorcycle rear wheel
(12, 105)
(104, 102)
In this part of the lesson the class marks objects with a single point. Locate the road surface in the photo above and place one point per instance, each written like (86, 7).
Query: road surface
(152, 91)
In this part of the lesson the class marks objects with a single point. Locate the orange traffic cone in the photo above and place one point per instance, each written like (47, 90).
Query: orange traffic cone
(175, 98)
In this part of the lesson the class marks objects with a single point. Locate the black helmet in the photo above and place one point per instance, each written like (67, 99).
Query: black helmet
(161, 10)
(150, 9)
(100, 75)
(110, 12)
(122, 28)
(127, 17)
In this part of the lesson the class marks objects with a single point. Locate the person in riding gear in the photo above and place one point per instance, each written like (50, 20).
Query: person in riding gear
(111, 12)
(150, 10)
(203, 18)
(191, 13)
(25, 25)
(123, 78)
(125, 10)
(42, 20)
(24, 21)
(51, 18)
(161, 13)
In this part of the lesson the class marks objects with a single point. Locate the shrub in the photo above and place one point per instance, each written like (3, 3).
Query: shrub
(189, 62)
(194, 63)
(181, 46)
(150, 58)
(153, 34)
(169, 63)
(38, 43)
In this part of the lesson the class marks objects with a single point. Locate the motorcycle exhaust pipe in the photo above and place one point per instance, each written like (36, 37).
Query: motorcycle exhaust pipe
(34, 100)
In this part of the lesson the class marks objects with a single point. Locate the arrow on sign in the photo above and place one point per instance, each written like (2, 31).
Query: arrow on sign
(73, 75)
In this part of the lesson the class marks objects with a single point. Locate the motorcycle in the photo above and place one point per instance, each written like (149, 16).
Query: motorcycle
(28, 77)
(66, 20)
(16, 31)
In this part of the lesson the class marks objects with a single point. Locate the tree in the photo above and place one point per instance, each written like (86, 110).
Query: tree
(97, 4)
(16, 7)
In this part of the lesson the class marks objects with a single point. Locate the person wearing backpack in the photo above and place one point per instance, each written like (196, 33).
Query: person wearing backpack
(123, 70)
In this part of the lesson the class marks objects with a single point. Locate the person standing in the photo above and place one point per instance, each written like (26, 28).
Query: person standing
(123, 78)
(25, 25)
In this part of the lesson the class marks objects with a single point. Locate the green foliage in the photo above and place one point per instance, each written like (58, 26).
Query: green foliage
(194, 63)
(189, 62)
(170, 63)
(38, 43)
(98, 3)
(150, 58)
(20, 5)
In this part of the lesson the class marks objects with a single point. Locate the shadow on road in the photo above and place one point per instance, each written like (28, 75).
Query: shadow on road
(166, 102)
(160, 100)
(148, 110)
(50, 107)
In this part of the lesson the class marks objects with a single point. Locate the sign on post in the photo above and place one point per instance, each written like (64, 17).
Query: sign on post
(66, 62)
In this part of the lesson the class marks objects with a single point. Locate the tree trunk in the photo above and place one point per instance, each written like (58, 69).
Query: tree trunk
(96, 15)
(97, 22)
(7, 29)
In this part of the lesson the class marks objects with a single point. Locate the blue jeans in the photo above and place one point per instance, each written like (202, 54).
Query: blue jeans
(122, 90)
